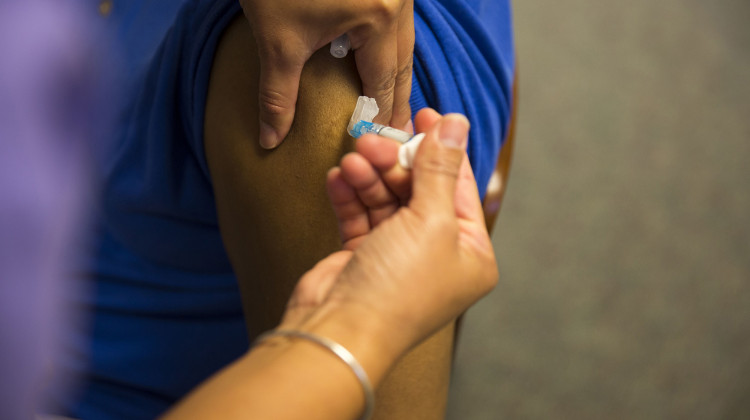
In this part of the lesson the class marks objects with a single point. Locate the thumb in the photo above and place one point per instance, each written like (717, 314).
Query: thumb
(279, 86)
(437, 166)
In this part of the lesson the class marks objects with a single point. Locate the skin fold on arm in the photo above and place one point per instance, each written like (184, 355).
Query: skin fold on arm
(274, 213)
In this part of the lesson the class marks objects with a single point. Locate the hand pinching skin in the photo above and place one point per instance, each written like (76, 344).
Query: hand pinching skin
(288, 32)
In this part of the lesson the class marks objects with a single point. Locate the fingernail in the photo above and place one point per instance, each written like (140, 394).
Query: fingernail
(268, 137)
(454, 131)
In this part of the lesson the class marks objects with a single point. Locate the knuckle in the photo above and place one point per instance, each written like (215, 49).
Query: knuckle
(442, 164)
(387, 10)
(383, 90)
(386, 82)
(404, 73)
(274, 103)
(280, 46)
(285, 52)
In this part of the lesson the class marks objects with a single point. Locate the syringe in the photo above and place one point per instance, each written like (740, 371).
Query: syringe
(362, 127)
(361, 123)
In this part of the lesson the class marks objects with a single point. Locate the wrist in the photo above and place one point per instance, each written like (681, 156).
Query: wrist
(301, 360)
(374, 343)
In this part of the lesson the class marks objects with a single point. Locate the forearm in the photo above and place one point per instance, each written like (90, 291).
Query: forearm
(293, 378)
(279, 380)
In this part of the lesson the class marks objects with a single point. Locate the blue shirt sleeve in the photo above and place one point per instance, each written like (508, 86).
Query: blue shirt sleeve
(463, 62)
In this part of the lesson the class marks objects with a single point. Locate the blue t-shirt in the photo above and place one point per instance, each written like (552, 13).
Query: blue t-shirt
(166, 307)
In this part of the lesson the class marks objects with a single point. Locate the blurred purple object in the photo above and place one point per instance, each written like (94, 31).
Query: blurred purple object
(48, 95)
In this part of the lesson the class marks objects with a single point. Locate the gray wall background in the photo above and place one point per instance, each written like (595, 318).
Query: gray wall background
(624, 240)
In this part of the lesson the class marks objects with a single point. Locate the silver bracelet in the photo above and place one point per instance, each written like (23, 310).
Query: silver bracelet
(342, 354)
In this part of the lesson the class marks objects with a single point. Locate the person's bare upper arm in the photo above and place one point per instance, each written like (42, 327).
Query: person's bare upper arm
(274, 214)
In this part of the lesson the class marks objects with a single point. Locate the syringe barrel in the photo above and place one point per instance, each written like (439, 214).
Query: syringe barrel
(392, 133)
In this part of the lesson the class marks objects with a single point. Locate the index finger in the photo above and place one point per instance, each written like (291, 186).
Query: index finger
(377, 63)
(402, 89)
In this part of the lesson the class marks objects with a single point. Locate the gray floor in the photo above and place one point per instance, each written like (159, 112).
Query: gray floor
(624, 241)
